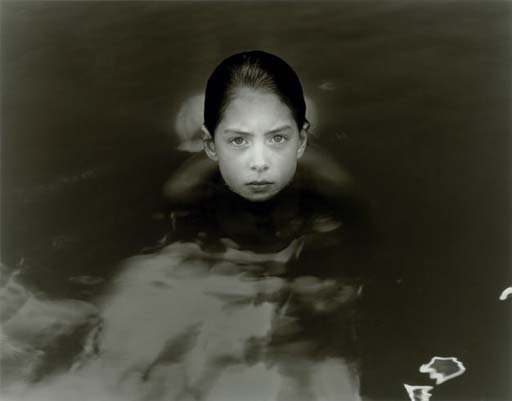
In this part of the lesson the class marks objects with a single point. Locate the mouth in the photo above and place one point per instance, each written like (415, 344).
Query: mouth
(259, 183)
(259, 186)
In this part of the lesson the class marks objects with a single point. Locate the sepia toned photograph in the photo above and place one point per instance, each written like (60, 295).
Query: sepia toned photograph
(256, 200)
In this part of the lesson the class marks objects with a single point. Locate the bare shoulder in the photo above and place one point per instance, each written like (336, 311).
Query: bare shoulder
(321, 173)
(189, 183)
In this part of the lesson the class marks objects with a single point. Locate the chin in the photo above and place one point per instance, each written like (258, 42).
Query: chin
(257, 197)
(260, 199)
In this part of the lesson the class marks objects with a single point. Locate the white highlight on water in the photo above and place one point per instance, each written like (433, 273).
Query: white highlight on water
(506, 292)
(418, 393)
(443, 369)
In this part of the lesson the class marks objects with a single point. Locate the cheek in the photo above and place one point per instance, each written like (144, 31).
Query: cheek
(230, 169)
(285, 172)
(287, 163)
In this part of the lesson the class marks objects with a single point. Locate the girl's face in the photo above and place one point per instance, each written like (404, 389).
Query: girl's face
(257, 144)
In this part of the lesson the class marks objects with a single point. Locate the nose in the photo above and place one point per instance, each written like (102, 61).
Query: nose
(258, 158)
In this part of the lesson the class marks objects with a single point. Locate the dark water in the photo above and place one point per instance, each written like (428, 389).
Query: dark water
(412, 98)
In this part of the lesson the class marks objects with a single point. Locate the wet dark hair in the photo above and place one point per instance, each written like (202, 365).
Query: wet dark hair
(257, 70)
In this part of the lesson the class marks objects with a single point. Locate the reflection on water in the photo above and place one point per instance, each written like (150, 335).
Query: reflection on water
(37, 332)
(187, 323)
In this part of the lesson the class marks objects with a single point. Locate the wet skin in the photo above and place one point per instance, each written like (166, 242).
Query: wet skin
(256, 145)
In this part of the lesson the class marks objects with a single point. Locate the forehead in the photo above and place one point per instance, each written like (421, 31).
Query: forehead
(255, 108)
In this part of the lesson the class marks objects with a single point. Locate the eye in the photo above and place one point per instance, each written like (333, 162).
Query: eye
(238, 140)
(278, 138)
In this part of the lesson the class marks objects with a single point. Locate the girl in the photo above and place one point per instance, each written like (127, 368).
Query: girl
(255, 134)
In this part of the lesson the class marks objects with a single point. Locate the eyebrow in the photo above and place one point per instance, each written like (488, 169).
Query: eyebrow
(240, 132)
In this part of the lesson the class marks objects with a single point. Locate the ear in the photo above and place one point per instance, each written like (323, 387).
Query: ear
(209, 143)
(303, 141)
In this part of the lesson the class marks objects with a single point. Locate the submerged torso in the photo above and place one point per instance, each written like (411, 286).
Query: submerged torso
(252, 301)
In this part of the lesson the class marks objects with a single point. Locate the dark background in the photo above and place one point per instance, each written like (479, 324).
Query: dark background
(417, 108)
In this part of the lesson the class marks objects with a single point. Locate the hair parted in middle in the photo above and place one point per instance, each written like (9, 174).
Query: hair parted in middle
(256, 70)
